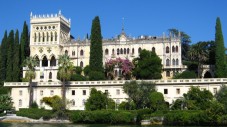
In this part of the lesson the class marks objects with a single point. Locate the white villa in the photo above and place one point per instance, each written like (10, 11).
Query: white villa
(50, 37)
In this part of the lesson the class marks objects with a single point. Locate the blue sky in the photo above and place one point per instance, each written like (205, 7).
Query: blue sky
(142, 17)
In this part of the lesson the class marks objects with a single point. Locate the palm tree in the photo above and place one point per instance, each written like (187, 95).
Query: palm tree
(30, 63)
(65, 70)
(199, 53)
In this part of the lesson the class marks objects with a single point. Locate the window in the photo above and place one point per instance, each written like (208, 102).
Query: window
(215, 90)
(132, 50)
(47, 36)
(73, 92)
(81, 52)
(118, 51)
(44, 62)
(73, 53)
(177, 91)
(119, 73)
(52, 61)
(173, 49)
(167, 62)
(20, 93)
(176, 48)
(153, 49)
(52, 92)
(177, 62)
(115, 72)
(165, 91)
(35, 37)
(106, 52)
(124, 50)
(81, 64)
(167, 49)
(118, 92)
(173, 62)
(43, 37)
(39, 37)
(112, 51)
(139, 50)
(20, 103)
(55, 36)
(84, 92)
(66, 52)
(51, 36)
(128, 50)
(41, 92)
(50, 75)
(121, 51)
(167, 74)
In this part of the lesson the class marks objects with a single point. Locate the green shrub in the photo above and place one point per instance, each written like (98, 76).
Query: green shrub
(185, 75)
(102, 116)
(34, 105)
(77, 77)
(96, 76)
(34, 113)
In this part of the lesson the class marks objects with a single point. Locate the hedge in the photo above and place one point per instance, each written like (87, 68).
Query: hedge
(35, 113)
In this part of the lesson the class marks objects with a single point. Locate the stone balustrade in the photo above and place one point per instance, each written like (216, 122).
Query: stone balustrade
(121, 82)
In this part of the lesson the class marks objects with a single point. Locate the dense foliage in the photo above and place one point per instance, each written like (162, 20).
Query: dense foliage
(147, 65)
(35, 113)
(185, 75)
(5, 103)
(220, 65)
(98, 100)
(96, 52)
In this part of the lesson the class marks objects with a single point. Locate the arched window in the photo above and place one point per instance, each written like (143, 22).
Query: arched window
(37, 59)
(50, 75)
(133, 51)
(167, 49)
(20, 103)
(55, 36)
(44, 62)
(39, 37)
(167, 74)
(112, 51)
(81, 64)
(52, 61)
(43, 37)
(81, 52)
(106, 52)
(167, 62)
(153, 49)
(176, 48)
(128, 50)
(139, 50)
(66, 52)
(47, 36)
(118, 51)
(35, 37)
(173, 61)
(173, 49)
(177, 62)
(115, 73)
(73, 53)
(51, 36)
(124, 50)
(121, 51)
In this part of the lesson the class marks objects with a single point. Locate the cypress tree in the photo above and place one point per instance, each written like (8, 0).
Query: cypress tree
(24, 43)
(9, 63)
(16, 58)
(96, 53)
(220, 64)
(3, 58)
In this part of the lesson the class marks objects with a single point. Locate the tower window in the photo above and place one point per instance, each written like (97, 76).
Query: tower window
(167, 49)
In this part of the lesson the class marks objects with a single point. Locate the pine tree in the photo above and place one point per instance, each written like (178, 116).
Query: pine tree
(9, 64)
(3, 58)
(220, 65)
(24, 43)
(96, 53)
(16, 58)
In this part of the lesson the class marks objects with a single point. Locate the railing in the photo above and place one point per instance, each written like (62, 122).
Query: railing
(121, 82)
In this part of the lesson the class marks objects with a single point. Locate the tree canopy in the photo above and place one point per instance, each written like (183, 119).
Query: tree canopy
(147, 66)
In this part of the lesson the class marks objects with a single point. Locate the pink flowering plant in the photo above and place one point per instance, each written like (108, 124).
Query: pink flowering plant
(124, 64)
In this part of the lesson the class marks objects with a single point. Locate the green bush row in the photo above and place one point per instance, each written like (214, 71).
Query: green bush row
(35, 113)
(102, 116)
